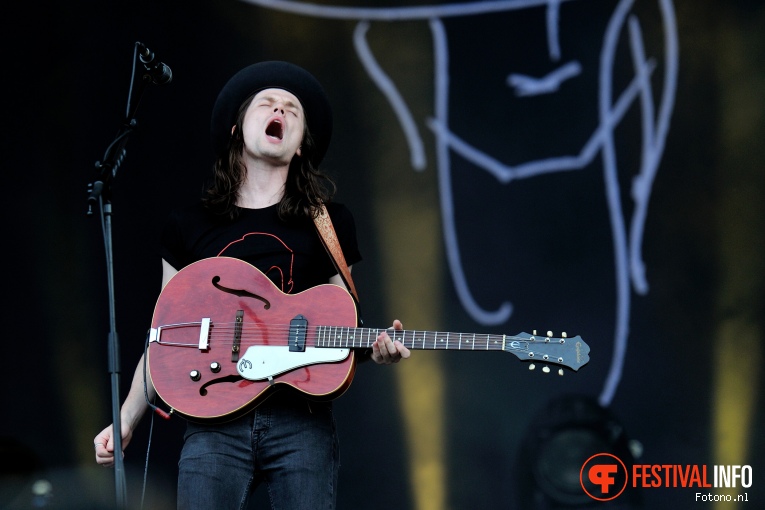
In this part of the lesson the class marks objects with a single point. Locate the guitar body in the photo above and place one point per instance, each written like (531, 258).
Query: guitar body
(213, 320)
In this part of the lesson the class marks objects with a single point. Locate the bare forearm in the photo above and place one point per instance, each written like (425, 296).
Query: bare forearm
(135, 404)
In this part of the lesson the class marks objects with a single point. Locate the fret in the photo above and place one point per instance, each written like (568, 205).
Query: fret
(326, 332)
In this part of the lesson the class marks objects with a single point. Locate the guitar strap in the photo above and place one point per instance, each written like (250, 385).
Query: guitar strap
(329, 239)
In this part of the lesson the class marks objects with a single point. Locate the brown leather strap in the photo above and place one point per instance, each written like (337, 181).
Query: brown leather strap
(329, 240)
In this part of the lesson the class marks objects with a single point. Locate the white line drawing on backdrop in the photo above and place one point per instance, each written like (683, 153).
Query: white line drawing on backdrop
(627, 241)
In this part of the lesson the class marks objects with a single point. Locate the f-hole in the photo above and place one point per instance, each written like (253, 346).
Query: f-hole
(240, 292)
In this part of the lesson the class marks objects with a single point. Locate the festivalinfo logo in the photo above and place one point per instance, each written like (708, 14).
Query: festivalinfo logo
(605, 477)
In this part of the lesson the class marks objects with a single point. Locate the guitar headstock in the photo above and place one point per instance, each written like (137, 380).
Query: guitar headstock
(572, 353)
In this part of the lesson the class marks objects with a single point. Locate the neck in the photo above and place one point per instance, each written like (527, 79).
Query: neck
(263, 185)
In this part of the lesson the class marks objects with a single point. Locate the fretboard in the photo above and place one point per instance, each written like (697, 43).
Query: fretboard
(347, 337)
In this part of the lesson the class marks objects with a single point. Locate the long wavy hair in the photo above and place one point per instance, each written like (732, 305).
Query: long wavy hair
(307, 187)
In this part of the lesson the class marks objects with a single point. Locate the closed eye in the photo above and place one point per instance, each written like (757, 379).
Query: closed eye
(289, 106)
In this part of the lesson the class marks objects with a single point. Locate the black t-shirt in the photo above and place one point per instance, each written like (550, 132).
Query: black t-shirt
(290, 254)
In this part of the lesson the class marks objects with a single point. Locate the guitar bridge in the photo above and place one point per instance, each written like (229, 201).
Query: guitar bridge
(237, 336)
(155, 334)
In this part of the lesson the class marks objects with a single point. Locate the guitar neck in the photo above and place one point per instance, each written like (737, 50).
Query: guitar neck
(363, 338)
(563, 351)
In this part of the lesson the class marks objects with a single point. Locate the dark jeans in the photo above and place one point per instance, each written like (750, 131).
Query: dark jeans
(287, 442)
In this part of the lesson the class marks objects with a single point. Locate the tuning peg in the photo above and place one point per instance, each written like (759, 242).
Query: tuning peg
(560, 372)
(546, 369)
(564, 335)
(549, 333)
(532, 366)
(534, 332)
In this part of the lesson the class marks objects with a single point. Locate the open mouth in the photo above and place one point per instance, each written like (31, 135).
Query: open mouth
(275, 129)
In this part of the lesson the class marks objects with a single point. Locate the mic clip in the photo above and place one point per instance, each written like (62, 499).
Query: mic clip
(157, 72)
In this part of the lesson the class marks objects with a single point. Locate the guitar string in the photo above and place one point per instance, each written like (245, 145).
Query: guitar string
(326, 335)
(452, 337)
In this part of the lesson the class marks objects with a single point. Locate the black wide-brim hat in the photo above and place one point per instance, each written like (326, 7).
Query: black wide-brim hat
(267, 75)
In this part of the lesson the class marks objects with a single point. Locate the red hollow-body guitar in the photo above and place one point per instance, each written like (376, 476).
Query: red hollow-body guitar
(223, 336)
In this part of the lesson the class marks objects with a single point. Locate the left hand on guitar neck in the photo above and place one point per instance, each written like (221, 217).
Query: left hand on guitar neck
(385, 351)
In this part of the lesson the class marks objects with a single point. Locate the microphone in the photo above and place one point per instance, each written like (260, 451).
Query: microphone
(159, 73)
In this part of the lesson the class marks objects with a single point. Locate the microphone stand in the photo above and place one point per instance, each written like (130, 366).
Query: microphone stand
(99, 192)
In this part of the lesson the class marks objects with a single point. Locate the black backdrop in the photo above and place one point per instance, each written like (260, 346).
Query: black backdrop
(444, 430)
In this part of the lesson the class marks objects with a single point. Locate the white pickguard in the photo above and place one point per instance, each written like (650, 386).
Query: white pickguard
(266, 361)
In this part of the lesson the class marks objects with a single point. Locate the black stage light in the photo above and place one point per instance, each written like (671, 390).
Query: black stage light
(560, 439)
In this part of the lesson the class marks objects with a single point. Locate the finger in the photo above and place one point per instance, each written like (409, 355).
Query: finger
(384, 353)
(386, 345)
(103, 457)
(376, 354)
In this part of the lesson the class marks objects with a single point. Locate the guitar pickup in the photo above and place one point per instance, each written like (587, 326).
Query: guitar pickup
(298, 328)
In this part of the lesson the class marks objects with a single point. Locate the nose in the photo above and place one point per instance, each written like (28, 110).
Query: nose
(279, 107)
